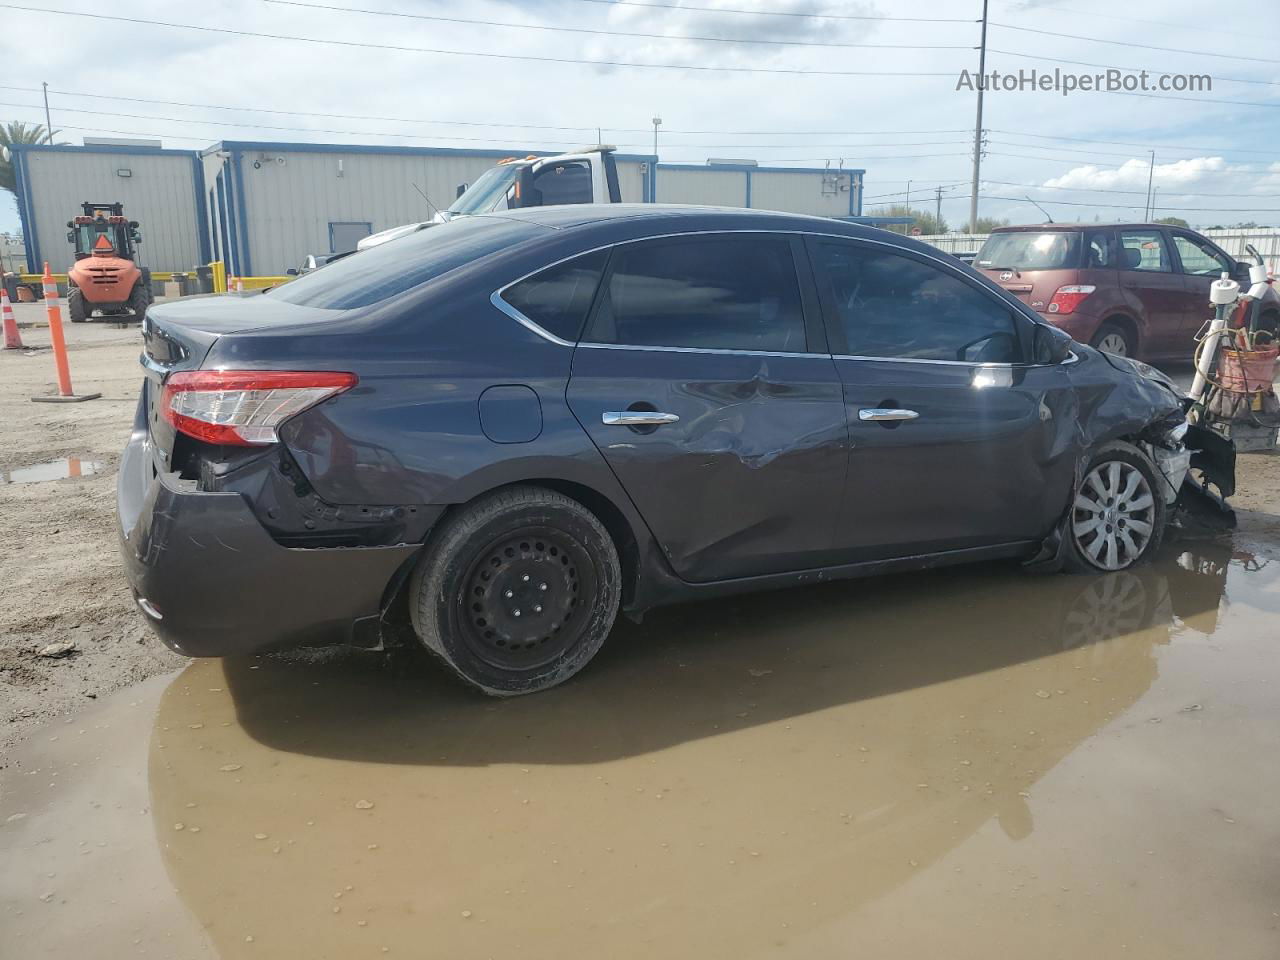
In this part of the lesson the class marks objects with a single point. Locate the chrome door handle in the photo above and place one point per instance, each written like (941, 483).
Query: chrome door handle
(880, 414)
(637, 418)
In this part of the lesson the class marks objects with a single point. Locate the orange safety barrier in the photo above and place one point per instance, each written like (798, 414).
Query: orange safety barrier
(65, 393)
(12, 338)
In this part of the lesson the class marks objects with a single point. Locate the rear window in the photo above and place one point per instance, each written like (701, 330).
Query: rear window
(1028, 250)
(373, 275)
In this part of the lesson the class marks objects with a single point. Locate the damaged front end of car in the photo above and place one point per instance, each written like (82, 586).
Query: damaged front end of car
(1120, 399)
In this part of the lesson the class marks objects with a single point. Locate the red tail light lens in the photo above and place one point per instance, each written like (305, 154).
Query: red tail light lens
(1069, 297)
(244, 408)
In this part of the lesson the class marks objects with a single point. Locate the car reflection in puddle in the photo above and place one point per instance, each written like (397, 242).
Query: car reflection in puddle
(727, 779)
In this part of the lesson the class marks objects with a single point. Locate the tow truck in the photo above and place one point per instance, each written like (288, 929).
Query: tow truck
(589, 175)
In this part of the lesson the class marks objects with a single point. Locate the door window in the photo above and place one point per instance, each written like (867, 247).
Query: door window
(727, 292)
(893, 306)
(568, 182)
(558, 298)
(1099, 249)
(1199, 259)
(1144, 250)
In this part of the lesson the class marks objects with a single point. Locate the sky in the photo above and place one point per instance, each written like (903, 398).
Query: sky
(870, 84)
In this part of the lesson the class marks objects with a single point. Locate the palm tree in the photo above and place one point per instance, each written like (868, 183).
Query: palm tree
(18, 132)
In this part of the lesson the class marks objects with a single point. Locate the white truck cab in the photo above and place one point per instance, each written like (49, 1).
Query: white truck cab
(589, 175)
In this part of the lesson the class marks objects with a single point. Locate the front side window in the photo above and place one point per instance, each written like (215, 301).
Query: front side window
(558, 298)
(1199, 259)
(727, 292)
(893, 306)
(1144, 250)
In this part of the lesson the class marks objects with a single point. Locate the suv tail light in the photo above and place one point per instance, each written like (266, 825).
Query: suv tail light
(1069, 297)
(243, 408)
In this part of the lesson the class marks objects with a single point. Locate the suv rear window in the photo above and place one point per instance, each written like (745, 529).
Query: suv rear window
(373, 275)
(1029, 250)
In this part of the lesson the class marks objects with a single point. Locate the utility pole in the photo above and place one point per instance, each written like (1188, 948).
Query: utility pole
(657, 122)
(908, 198)
(937, 210)
(1154, 194)
(1151, 173)
(48, 124)
(977, 127)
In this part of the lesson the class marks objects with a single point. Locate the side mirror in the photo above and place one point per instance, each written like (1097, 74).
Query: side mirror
(71, 236)
(291, 272)
(133, 224)
(459, 190)
(1050, 345)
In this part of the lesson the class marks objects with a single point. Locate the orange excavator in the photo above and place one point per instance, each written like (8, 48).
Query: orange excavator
(105, 280)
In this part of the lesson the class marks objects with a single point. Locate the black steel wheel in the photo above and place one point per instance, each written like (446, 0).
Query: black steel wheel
(517, 591)
(75, 306)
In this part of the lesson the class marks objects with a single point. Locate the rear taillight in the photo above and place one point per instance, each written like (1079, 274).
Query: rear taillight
(1069, 297)
(243, 408)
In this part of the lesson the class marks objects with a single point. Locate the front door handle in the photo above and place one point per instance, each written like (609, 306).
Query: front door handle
(881, 414)
(637, 418)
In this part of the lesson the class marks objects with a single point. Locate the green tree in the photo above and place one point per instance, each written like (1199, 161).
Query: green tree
(987, 224)
(1174, 222)
(924, 219)
(18, 132)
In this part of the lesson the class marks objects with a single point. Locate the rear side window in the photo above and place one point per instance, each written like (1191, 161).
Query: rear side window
(558, 298)
(1144, 250)
(1099, 249)
(727, 292)
(373, 275)
(895, 307)
(1029, 250)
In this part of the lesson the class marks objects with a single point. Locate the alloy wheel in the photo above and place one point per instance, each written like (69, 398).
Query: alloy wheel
(1113, 517)
(1114, 343)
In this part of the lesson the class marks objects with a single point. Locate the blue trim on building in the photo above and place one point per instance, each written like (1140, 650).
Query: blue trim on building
(242, 216)
(224, 238)
(22, 195)
(748, 189)
(202, 211)
(756, 169)
(101, 148)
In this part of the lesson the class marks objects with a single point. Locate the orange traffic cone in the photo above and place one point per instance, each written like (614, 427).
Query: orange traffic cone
(12, 338)
(65, 394)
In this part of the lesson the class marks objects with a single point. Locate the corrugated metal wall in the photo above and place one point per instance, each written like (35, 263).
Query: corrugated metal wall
(289, 207)
(705, 186)
(819, 194)
(159, 194)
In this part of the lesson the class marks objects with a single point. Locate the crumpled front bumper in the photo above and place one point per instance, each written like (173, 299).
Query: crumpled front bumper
(213, 582)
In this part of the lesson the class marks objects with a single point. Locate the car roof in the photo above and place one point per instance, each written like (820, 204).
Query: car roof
(1048, 227)
(660, 217)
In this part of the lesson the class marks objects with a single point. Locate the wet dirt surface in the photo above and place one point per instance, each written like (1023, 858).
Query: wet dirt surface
(946, 764)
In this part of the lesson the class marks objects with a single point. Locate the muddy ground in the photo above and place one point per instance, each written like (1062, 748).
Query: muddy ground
(959, 763)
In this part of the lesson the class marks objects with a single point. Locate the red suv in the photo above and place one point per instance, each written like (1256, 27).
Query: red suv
(1136, 289)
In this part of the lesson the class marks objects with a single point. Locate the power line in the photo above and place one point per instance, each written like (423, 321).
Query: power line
(1131, 206)
(1120, 143)
(613, 33)
(526, 58)
(1055, 8)
(1057, 35)
(775, 13)
(1129, 69)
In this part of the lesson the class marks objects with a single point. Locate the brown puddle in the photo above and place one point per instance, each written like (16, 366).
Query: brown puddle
(949, 764)
(53, 470)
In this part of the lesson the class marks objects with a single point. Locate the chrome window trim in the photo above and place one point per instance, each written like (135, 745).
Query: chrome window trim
(717, 351)
(496, 297)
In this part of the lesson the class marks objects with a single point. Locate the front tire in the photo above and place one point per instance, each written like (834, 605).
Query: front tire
(139, 299)
(1114, 339)
(1118, 513)
(517, 591)
(75, 306)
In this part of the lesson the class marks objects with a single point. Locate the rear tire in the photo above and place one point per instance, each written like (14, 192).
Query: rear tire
(75, 306)
(139, 299)
(1118, 512)
(1114, 339)
(517, 591)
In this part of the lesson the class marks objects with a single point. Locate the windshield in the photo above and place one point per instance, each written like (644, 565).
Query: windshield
(1027, 250)
(372, 275)
(483, 195)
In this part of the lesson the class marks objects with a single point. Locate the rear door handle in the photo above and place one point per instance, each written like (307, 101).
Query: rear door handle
(637, 418)
(881, 414)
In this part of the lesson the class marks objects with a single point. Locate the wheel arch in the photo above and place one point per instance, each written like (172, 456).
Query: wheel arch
(1129, 325)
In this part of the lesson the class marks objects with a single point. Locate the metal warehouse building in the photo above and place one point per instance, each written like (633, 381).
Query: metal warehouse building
(262, 206)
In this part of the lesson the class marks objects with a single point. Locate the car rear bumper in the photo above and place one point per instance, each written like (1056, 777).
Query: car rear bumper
(213, 582)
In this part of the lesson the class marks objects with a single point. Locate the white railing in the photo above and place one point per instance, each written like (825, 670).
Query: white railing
(1231, 240)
